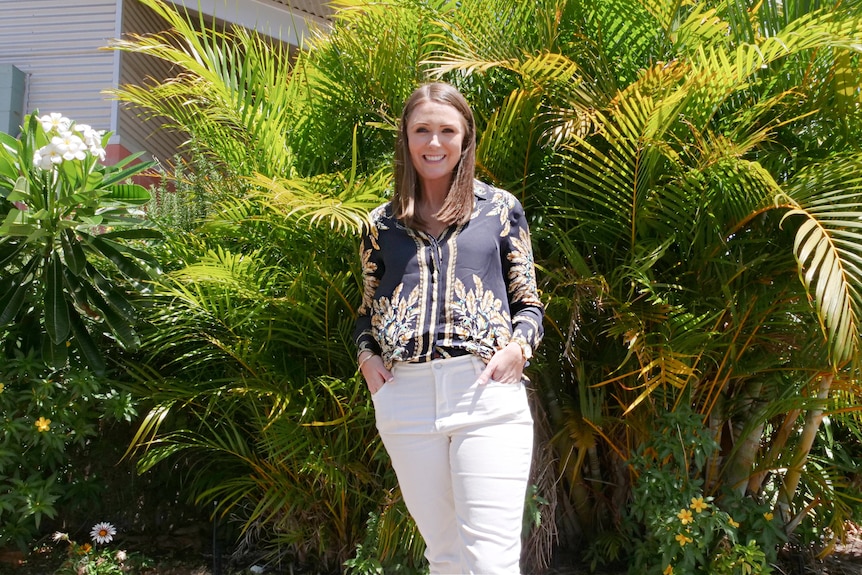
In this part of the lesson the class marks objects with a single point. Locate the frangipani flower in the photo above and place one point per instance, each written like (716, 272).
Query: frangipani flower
(55, 121)
(103, 532)
(69, 141)
(92, 139)
(71, 146)
(47, 157)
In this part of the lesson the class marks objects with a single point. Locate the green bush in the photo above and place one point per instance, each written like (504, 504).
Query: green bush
(676, 528)
(46, 415)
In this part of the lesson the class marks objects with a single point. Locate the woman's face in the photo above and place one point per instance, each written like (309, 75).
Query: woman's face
(435, 133)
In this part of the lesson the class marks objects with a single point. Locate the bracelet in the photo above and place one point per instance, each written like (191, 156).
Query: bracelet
(366, 358)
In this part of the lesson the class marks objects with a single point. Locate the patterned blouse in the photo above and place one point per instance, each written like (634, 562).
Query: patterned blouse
(472, 290)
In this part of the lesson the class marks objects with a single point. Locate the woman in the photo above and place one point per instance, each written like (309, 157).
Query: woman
(449, 317)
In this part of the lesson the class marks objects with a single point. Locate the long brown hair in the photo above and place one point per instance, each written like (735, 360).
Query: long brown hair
(459, 201)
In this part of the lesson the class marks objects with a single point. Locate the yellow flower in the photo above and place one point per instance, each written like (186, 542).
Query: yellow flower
(43, 424)
(2, 387)
(685, 516)
(732, 522)
(698, 504)
(85, 548)
(768, 516)
(668, 570)
(683, 539)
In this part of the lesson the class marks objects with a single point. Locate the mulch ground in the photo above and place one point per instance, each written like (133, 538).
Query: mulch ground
(845, 560)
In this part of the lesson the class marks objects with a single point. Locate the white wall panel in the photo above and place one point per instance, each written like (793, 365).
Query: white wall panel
(57, 44)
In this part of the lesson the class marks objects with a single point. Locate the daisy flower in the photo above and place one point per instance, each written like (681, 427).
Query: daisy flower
(103, 532)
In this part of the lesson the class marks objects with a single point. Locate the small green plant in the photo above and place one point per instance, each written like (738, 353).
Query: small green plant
(675, 527)
(96, 559)
(47, 415)
(392, 545)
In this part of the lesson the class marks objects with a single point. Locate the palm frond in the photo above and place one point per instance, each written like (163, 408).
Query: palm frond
(828, 198)
(232, 91)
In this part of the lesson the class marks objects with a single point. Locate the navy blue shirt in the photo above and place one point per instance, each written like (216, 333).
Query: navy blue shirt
(473, 289)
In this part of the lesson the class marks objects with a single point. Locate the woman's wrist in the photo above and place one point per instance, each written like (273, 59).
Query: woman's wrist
(525, 350)
(364, 356)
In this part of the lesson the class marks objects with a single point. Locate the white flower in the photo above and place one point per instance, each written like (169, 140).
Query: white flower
(256, 569)
(55, 121)
(60, 536)
(121, 556)
(92, 139)
(103, 532)
(71, 146)
(47, 156)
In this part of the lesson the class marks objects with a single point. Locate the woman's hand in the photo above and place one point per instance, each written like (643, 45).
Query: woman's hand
(375, 373)
(507, 366)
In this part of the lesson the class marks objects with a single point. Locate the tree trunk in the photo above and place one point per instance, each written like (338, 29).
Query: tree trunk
(809, 433)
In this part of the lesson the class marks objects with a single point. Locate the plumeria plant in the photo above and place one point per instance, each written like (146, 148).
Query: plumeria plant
(94, 558)
(68, 227)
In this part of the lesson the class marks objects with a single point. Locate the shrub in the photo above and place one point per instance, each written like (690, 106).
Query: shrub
(47, 414)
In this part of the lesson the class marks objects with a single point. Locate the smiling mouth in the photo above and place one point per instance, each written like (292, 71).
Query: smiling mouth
(434, 158)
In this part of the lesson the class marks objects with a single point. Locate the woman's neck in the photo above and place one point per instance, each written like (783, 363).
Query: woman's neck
(433, 196)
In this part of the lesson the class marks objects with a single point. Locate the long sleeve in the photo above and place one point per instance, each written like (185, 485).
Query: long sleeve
(470, 290)
(372, 271)
(525, 304)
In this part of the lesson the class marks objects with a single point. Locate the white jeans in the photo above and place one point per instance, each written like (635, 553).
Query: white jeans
(462, 454)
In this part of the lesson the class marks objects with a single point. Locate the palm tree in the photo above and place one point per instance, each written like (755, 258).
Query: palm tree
(691, 171)
(689, 198)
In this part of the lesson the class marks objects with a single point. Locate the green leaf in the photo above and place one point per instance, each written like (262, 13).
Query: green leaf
(111, 178)
(21, 191)
(8, 169)
(120, 324)
(9, 251)
(56, 309)
(84, 342)
(76, 260)
(134, 234)
(126, 265)
(111, 292)
(55, 354)
(15, 288)
(129, 193)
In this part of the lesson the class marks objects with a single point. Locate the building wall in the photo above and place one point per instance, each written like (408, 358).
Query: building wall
(138, 133)
(60, 47)
(56, 44)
